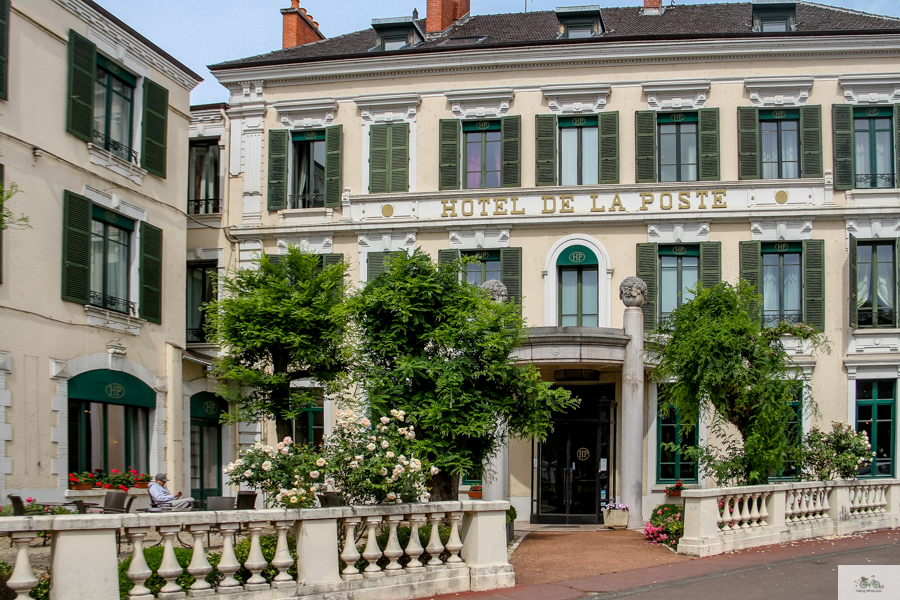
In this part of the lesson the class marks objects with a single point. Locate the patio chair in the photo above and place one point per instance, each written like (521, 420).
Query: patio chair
(114, 503)
(219, 503)
(20, 509)
(246, 500)
(80, 508)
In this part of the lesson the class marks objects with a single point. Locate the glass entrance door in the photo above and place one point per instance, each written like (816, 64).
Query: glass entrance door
(206, 460)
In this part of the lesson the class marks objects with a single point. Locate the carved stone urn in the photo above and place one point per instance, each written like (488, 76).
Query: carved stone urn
(633, 291)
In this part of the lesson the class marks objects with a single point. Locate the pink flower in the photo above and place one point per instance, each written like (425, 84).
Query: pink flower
(659, 512)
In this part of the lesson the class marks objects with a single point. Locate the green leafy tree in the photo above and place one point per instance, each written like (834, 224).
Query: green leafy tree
(277, 324)
(442, 351)
(8, 219)
(726, 368)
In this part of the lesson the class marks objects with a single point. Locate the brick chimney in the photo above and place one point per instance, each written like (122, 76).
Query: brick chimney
(442, 13)
(299, 27)
(652, 7)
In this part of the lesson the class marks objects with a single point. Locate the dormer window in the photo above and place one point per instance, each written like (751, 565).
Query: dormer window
(579, 21)
(396, 33)
(773, 17)
(394, 43)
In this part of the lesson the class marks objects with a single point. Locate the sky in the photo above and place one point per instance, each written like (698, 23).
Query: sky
(203, 32)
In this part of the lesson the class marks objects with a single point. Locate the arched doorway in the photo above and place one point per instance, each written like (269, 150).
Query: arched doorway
(206, 445)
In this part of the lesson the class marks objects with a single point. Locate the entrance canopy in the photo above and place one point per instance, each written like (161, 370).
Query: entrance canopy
(577, 256)
(112, 387)
(206, 405)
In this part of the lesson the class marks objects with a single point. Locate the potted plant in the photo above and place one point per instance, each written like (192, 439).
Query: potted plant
(615, 515)
(674, 490)
(475, 492)
(141, 480)
(82, 481)
(117, 480)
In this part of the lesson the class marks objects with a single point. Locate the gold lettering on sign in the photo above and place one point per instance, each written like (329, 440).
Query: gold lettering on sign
(702, 194)
(484, 202)
(514, 210)
(781, 246)
(616, 202)
(718, 196)
(678, 250)
(684, 200)
(566, 204)
(449, 208)
(646, 200)
(468, 213)
(663, 203)
(549, 210)
(594, 207)
(499, 204)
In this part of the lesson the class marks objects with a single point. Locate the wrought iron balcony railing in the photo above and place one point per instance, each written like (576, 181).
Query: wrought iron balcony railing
(118, 148)
(112, 303)
(306, 200)
(774, 318)
(882, 180)
(210, 206)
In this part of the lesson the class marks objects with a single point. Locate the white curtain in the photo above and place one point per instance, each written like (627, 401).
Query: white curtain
(569, 157)
(590, 165)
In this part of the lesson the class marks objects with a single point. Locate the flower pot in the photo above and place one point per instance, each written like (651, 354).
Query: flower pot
(615, 519)
(674, 494)
(81, 486)
(142, 485)
(475, 495)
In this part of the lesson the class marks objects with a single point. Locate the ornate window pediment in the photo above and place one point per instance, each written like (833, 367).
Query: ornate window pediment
(299, 114)
(577, 98)
(388, 108)
(778, 91)
(880, 88)
(489, 102)
(677, 95)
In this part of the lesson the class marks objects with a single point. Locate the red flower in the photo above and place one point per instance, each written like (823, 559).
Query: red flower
(91, 475)
(133, 472)
(122, 487)
(107, 486)
(115, 470)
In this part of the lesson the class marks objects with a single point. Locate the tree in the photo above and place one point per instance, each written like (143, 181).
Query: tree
(442, 351)
(277, 324)
(8, 219)
(725, 367)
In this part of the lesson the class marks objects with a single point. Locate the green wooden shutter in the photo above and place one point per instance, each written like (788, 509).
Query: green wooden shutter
(332, 259)
(154, 128)
(896, 149)
(4, 49)
(710, 263)
(447, 256)
(853, 283)
(811, 141)
(842, 117)
(645, 146)
(2, 189)
(82, 75)
(375, 264)
(448, 167)
(647, 260)
(545, 149)
(151, 272)
(333, 165)
(379, 158)
(274, 258)
(399, 141)
(608, 125)
(511, 151)
(814, 283)
(751, 268)
(76, 252)
(709, 144)
(276, 190)
(511, 274)
(748, 143)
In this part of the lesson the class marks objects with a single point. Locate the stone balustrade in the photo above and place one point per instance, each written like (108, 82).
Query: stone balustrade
(84, 560)
(718, 520)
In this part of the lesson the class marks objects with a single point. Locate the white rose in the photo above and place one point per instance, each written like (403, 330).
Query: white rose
(354, 464)
(280, 445)
(383, 471)
(238, 462)
(389, 454)
(314, 474)
(294, 499)
(320, 462)
(434, 470)
(402, 431)
(365, 422)
(370, 447)
(267, 466)
(358, 457)
(384, 444)
(385, 420)
(248, 473)
(391, 496)
(287, 441)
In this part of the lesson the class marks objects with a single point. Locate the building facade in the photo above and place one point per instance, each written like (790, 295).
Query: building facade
(94, 122)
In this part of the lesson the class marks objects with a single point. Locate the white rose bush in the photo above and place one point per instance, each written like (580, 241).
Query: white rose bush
(288, 474)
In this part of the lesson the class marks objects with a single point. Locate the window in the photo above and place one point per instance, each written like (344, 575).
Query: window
(308, 181)
(200, 290)
(677, 147)
(394, 43)
(585, 30)
(578, 151)
(773, 24)
(578, 288)
(670, 465)
(482, 154)
(773, 19)
(107, 436)
(305, 169)
(309, 425)
(875, 283)
(679, 271)
(111, 261)
(779, 133)
(875, 416)
(203, 178)
(781, 283)
(873, 147)
(487, 267)
(113, 109)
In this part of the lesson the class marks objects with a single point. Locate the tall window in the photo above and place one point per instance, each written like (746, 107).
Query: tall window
(200, 290)
(308, 184)
(107, 436)
(113, 109)
(203, 178)
(875, 415)
(482, 154)
(487, 267)
(873, 148)
(677, 147)
(782, 283)
(679, 270)
(671, 465)
(779, 136)
(875, 284)
(578, 149)
(309, 425)
(578, 287)
(110, 261)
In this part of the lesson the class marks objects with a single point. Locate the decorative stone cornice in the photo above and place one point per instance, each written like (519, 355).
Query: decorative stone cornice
(480, 103)
(677, 95)
(677, 233)
(778, 91)
(302, 114)
(578, 98)
(878, 88)
(777, 229)
(388, 108)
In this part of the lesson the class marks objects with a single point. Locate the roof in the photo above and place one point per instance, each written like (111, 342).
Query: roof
(620, 23)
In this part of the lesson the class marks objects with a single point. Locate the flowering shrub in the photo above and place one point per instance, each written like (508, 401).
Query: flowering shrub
(289, 474)
(666, 525)
(616, 506)
(371, 465)
(475, 488)
(675, 487)
(116, 479)
(83, 477)
(838, 453)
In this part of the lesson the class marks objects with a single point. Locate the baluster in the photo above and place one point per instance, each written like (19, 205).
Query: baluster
(720, 521)
(350, 554)
(255, 562)
(372, 552)
(228, 564)
(754, 511)
(169, 569)
(454, 544)
(882, 499)
(857, 499)
(825, 506)
(726, 514)
(138, 571)
(870, 499)
(815, 505)
(414, 548)
(789, 506)
(392, 550)
(745, 512)
(763, 510)
(435, 547)
(800, 507)
(283, 559)
(22, 579)
(199, 566)
(820, 503)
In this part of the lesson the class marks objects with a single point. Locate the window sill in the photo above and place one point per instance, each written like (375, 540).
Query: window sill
(660, 488)
(107, 159)
(305, 214)
(203, 221)
(872, 196)
(108, 319)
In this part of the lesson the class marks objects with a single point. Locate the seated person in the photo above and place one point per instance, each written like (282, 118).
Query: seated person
(161, 496)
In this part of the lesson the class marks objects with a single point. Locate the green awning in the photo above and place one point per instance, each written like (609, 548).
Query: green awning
(111, 387)
(577, 256)
(206, 405)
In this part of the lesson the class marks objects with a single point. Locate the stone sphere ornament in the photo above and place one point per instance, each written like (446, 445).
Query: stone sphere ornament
(633, 291)
(496, 289)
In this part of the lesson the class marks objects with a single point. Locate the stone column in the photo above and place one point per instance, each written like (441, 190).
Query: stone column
(631, 430)
(496, 484)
